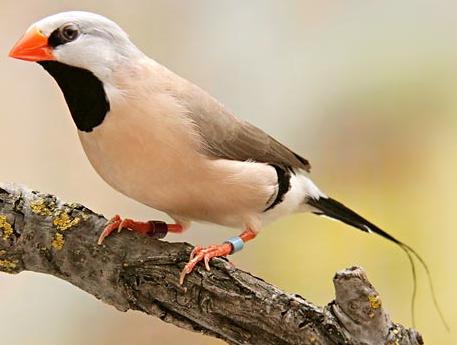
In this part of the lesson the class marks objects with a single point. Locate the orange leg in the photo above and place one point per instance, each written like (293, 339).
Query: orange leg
(206, 254)
(152, 228)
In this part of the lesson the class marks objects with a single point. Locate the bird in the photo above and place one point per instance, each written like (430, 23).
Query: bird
(163, 141)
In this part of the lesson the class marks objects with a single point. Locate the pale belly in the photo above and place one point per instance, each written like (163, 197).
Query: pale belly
(167, 173)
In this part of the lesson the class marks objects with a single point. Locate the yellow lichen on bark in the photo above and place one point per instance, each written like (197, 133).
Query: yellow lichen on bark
(40, 207)
(7, 265)
(5, 227)
(63, 221)
(58, 241)
(375, 302)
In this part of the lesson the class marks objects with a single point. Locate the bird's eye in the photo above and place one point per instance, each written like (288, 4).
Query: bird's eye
(69, 32)
(64, 34)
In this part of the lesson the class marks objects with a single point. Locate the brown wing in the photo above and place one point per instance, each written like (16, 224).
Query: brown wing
(226, 136)
(231, 138)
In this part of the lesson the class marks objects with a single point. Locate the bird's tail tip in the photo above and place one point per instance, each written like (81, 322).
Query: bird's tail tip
(325, 206)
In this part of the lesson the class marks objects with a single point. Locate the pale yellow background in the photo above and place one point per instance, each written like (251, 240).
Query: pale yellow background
(365, 89)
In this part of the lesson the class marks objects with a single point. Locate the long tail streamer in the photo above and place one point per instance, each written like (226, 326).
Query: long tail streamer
(336, 210)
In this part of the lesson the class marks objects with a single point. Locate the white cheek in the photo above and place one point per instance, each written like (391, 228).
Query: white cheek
(89, 55)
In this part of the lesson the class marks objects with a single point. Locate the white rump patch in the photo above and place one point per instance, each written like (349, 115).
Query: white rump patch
(301, 187)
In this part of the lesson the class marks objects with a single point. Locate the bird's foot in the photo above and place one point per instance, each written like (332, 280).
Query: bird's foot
(153, 228)
(204, 254)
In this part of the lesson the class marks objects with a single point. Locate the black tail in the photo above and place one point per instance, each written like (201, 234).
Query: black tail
(336, 210)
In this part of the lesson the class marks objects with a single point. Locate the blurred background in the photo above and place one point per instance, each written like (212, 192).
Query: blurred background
(366, 90)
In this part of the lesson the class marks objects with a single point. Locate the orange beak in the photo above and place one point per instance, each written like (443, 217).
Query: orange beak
(33, 46)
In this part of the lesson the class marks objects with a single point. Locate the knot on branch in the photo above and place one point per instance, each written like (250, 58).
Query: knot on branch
(358, 307)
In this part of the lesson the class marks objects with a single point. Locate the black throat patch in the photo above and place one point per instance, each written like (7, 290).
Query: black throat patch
(83, 92)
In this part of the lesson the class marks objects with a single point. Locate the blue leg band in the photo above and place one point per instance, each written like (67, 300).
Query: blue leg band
(237, 244)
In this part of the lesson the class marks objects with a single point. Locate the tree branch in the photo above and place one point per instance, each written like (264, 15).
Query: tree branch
(40, 233)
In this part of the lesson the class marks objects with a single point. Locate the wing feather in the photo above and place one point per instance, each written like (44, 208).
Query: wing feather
(225, 136)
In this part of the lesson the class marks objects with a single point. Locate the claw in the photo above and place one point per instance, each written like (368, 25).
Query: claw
(204, 254)
(207, 258)
(111, 226)
(182, 275)
(194, 252)
(121, 225)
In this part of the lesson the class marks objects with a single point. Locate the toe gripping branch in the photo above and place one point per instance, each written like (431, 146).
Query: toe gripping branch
(231, 246)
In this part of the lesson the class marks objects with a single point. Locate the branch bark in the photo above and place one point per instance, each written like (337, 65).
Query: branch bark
(40, 233)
